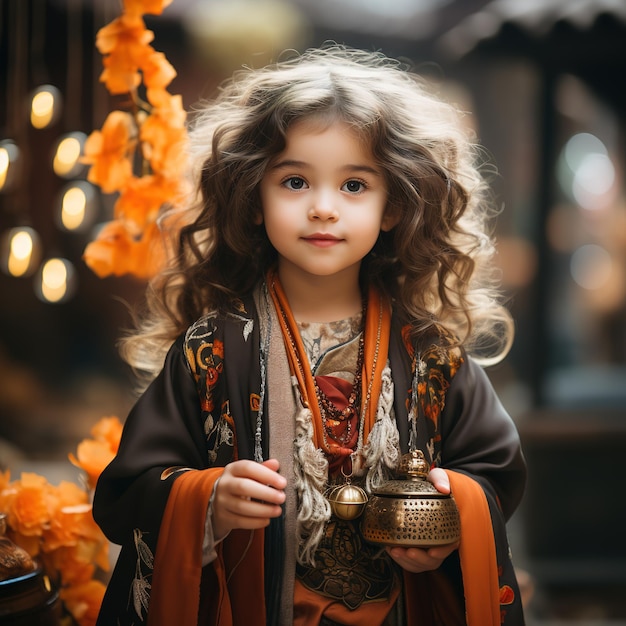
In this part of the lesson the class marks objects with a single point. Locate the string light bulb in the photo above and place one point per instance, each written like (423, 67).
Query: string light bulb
(66, 162)
(45, 106)
(20, 250)
(56, 281)
(77, 206)
(10, 162)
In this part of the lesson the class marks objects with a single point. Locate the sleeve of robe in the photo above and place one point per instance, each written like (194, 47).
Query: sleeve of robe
(163, 430)
(480, 440)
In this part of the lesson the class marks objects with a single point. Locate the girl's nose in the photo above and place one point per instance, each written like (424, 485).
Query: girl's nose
(324, 207)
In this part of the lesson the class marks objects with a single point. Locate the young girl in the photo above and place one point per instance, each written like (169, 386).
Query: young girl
(319, 320)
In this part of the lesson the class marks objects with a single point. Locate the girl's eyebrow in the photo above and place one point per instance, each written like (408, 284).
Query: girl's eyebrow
(350, 167)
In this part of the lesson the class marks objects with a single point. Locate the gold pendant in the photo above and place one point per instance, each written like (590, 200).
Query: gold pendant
(346, 501)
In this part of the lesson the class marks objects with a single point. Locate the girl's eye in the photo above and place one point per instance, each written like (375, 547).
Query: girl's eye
(295, 183)
(353, 186)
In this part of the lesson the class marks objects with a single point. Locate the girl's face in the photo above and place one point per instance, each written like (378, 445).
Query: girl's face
(323, 200)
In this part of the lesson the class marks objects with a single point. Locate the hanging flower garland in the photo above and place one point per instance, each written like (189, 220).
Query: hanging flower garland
(55, 525)
(139, 153)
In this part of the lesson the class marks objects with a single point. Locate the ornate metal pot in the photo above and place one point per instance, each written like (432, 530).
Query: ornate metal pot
(409, 511)
(27, 596)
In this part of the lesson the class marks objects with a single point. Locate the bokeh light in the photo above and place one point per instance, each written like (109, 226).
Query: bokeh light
(56, 281)
(66, 162)
(45, 107)
(9, 164)
(591, 266)
(77, 206)
(586, 172)
(20, 250)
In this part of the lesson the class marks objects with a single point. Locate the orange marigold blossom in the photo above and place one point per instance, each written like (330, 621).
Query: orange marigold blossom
(109, 152)
(92, 457)
(139, 203)
(70, 518)
(116, 252)
(29, 509)
(84, 601)
(127, 32)
(109, 430)
(158, 72)
(30, 543)
(5, 479)
(125, 44)
(164, 138)
(73, 564)
(139, 7)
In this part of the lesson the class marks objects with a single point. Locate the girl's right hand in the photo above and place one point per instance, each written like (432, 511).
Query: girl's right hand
(247, 495)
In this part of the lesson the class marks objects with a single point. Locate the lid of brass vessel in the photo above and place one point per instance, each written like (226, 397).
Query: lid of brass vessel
(411, 482)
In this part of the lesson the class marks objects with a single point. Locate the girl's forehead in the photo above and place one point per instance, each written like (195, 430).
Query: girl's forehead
(319, 123)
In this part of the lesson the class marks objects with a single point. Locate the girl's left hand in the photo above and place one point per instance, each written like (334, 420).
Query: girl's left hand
(419, 560)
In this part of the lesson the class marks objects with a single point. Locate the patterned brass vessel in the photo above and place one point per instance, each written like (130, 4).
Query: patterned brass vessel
(409, 511)
(27, 595)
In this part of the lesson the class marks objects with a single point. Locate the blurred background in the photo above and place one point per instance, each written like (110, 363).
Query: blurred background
(544, 84)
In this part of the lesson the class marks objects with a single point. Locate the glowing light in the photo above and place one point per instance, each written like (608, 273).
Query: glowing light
(593, 179)
(580, 145)
(9, 163)
(591, 266)
(4, 165)
(586, 172)
(56, 280)
(76, 206)
(20, 249)
(73, 212)
(45, 106)
(66, 162)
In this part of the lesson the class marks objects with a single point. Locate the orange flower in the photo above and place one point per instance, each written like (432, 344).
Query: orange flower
(29, 510)
(141, 200)
(138, 7)
(5, 479)
(133, 243)
(164, 137)
(30, 543)
(158, 72)
(109, 430)
(507, 595)
(56, 524)
(109, 152)
(84, 601)
(70, 518)
(92, 457)
(218, 348)
(126, 42)
(116, 252)
(73, 563)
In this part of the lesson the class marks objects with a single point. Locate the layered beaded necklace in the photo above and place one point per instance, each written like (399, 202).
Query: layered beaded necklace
(341, 411)
(366, 387)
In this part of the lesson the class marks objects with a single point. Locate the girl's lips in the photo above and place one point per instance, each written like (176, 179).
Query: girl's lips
(322, 240)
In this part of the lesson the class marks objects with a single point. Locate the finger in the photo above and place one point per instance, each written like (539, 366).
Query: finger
(260, 472)
(439, 479)
(242, 508)
(414, 559)
(443, 552)
(249, 489)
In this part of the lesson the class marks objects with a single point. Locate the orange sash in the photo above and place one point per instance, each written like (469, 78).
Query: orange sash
(429, 598)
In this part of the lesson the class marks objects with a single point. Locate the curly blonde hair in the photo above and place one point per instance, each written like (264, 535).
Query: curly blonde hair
(436, 263)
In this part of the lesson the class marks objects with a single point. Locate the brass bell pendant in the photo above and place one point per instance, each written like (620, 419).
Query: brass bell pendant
(346, 501)
(409, 511)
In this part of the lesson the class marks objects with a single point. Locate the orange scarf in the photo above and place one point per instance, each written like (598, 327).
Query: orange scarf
(175, 597)
(430, 600)
(377, 329)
